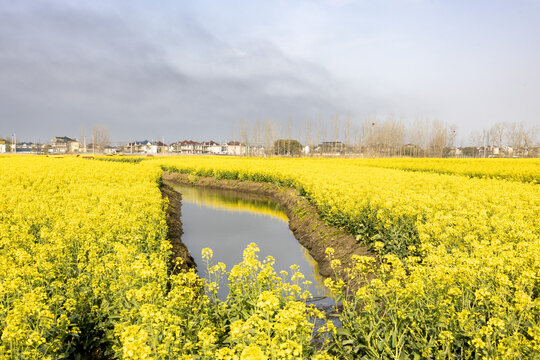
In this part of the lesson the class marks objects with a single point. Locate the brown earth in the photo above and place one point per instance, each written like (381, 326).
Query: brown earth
(314, 233)
(174, 233)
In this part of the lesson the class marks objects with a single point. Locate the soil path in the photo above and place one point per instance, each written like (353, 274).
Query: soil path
(304, 220)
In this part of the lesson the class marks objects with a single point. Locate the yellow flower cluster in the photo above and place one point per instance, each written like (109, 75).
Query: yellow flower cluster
(84, 259)
(79, 241)
(461, 273)
(84, 268)
(525, 170)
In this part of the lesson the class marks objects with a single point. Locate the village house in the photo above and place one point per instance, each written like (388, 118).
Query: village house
(111, 150)
(256, 150)
(144, 147)
(3, 147)
(212, 147)
(236, 148)
(150, 148)
(187, 147)
(174, 147)
(28, 147)
(190, 147)
(330, 148)
(455, 152)
(136, 147)
(64, 144)
(194, 147)
(161, 147)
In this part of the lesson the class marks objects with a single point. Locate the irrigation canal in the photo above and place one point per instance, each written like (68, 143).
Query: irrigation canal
(227, 221)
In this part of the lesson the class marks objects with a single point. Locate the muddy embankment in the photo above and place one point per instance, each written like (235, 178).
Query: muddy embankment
(304, 221)
(174, 233)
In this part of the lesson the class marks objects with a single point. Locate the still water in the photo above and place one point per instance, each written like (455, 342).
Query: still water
(227, 221)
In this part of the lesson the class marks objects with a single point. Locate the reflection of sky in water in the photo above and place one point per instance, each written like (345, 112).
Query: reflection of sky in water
(232, 201)
(227, 221)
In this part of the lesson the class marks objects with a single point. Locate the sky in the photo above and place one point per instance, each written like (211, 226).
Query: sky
(174, 70)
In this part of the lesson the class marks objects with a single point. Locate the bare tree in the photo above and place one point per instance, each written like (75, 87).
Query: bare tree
(307, 135)
(476, 138)
(417, 135)
(83, 139)
(289, 135)
(373, 135)
(347, 133)
(426, 133)
(233, 131)
(366, 130)
(244, 136)
(323, 133)
(438, 140)
(529, 137)
(256, 138)
(452, 131)
(269, 136)
(357, 139)
(100, 137)
(319, 130)
(336, 128)
(515, 135)
(497, 134)
(400, 136)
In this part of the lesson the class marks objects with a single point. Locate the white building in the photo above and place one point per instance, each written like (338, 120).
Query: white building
(150, 148)
(212, 147)
(111, 150)
(236, 148)
(2, 146)
(64, 144)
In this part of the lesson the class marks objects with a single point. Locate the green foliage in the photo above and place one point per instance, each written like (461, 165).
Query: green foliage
(374, 226)
(287, 147)
(264, 313)
(122, 159)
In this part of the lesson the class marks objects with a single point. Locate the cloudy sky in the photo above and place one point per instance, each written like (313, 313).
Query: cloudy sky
(193, 69)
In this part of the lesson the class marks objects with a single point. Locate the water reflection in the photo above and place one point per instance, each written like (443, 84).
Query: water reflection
(227, 221)
(233, 201)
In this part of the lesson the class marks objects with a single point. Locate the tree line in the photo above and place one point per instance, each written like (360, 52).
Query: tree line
(375, 136)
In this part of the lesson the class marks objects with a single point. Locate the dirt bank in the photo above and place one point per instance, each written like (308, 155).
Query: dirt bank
(174, 234)
(304, 221)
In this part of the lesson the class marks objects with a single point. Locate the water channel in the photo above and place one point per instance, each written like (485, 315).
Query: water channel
(227, 221)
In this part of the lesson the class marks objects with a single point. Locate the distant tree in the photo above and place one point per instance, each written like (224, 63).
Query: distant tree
(244, 136)
(529, 137)
(100, 137)
(497, 134)
(347, 133)
(336, 128)
(287, 147)
(452, 131)
(476, 138)
(307, 133)
(438, 138)
(269, 134)
(470, 151)
(515, 134)
(320, 132)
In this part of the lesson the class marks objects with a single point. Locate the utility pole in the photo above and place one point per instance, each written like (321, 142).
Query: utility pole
(14, 143)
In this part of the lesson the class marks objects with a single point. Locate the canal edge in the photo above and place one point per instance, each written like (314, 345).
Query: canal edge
(310, 230)
(175, 230)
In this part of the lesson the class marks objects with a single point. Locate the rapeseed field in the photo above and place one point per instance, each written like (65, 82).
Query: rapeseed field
(84, 263)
